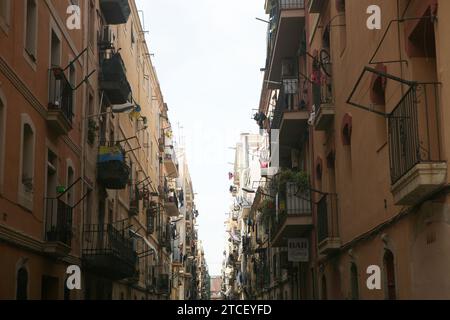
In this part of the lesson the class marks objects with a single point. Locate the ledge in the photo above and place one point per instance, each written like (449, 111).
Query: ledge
(325, 117)
(421, 181)
(329, 245)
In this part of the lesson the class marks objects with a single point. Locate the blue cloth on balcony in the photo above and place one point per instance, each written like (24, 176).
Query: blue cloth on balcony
(111, 157)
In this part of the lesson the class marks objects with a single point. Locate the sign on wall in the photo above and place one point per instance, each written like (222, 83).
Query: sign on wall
(298, 250)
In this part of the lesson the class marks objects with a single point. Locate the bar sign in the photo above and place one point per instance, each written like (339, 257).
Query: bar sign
(298, 250)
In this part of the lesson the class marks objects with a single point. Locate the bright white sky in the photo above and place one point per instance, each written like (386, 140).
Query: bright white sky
(208, 55)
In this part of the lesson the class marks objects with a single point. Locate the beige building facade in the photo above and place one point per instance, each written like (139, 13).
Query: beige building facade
(359, 114)
(87, 164)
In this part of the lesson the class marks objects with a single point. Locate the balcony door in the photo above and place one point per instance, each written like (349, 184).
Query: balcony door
(389, 268)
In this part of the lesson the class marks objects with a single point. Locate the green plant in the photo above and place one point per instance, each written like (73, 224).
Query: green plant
(92, 130)
(299, 178)
(267, 208)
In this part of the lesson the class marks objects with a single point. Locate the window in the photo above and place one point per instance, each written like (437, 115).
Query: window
(389, 270)
(324, 288)
(31, 29)
(54, 88)
(73, 82)
(70, 181)
(92, 23)
(378, 87)
(22, 284)
(133, 39)
(342, 24)
(354, 281)
(55, 58)
(4, 12)
(2, 135)
(27, 158)
(66, 291)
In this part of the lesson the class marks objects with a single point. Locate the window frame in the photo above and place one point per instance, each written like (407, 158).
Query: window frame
(3, 115)
(26, 199)
(31, 57)
(5, 20)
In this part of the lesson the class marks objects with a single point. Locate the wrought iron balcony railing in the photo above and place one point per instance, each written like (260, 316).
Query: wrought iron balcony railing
(322, 88)
(294, 203)
(164, 284)
(327, 218)
(414, 130)
(115, 11)
(113, 79)
(58, 222)
(109, 250)
(288, 100)
(60, 93)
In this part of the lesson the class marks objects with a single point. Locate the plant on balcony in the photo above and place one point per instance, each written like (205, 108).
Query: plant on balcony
(300, 179)
(267, 209)
(92, 131)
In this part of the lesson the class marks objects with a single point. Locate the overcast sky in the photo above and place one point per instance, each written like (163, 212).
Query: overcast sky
(208, 55)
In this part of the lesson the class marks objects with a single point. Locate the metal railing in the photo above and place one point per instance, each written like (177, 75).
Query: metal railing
(294, 203)
(285, 102)
(165, 237)
(171, 198)
(322, 89)
(58, 222)
(291, 4)
(108, 240)
(298, 202)
(60, 93)
(170, 155)
(275, 12)
(163, 284)
(414, 130)
(327, 218)
(177, 255)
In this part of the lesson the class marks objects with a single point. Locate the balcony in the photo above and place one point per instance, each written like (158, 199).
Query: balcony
(60, 106)
(113, 80)
(416, 161)
(323, 100)
(327, 225)
(171, 204)
(112, 171)
(115, 11)
(294, 216)
(58, 228)
(165, 236)
(287, 24)
(170, 162)
(163, 284)
(161, 144)
(152, 213)
(135, 197)
(177, 257)
(291, 115)
(108, 251)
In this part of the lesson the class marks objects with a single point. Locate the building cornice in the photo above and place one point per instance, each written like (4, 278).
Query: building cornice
(24, 241)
